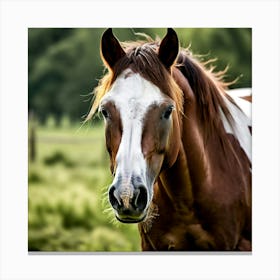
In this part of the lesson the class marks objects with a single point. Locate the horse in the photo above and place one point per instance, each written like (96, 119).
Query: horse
(179, 145)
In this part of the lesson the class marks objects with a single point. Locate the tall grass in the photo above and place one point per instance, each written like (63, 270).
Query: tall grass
(67, 198)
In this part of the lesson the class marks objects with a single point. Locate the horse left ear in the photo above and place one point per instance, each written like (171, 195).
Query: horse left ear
(111, 50)
(169, 48)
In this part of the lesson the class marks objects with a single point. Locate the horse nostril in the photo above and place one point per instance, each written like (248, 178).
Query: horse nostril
(140, 198)
(113, 198)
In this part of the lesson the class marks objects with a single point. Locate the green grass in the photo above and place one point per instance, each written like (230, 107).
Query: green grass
(67, 197)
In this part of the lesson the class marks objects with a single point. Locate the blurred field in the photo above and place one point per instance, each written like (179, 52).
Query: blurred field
(67, 201)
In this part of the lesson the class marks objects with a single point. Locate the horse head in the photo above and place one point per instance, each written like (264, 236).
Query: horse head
(142, 120)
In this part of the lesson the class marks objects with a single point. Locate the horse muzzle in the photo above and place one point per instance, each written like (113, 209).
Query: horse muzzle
(129, 201)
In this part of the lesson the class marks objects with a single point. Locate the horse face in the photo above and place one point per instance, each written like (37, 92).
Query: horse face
(138, 121)
(139, 124)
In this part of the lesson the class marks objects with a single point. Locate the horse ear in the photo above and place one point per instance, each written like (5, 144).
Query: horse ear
(169, 48)
(111, 50)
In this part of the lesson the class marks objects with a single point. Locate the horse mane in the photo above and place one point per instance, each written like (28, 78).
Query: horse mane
(209, 90)
(208, 86)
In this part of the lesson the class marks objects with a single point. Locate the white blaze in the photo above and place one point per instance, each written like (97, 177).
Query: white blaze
(132, 96)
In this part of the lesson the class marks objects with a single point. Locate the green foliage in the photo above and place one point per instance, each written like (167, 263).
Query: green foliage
(67, 203)
(58, 157)
(64, 64)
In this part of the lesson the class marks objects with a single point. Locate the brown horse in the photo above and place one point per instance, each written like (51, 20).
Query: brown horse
(179, 145)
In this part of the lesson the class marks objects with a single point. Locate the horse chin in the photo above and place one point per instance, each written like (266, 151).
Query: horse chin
(131, 220)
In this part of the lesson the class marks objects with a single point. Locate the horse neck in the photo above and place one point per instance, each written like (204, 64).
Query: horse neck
(180, 183)
(193, 137)
(176, 183)
(195, 150)
(191, 170)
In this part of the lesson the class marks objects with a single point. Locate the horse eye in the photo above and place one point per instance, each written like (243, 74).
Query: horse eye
(105, 113)
(168, 112)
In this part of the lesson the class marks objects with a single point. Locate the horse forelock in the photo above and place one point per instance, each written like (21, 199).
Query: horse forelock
(142, 58)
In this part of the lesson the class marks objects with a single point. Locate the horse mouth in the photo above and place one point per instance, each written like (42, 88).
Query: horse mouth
(130, 220)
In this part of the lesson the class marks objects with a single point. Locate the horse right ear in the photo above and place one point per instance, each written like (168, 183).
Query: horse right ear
(111, 50)
(169, 48)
